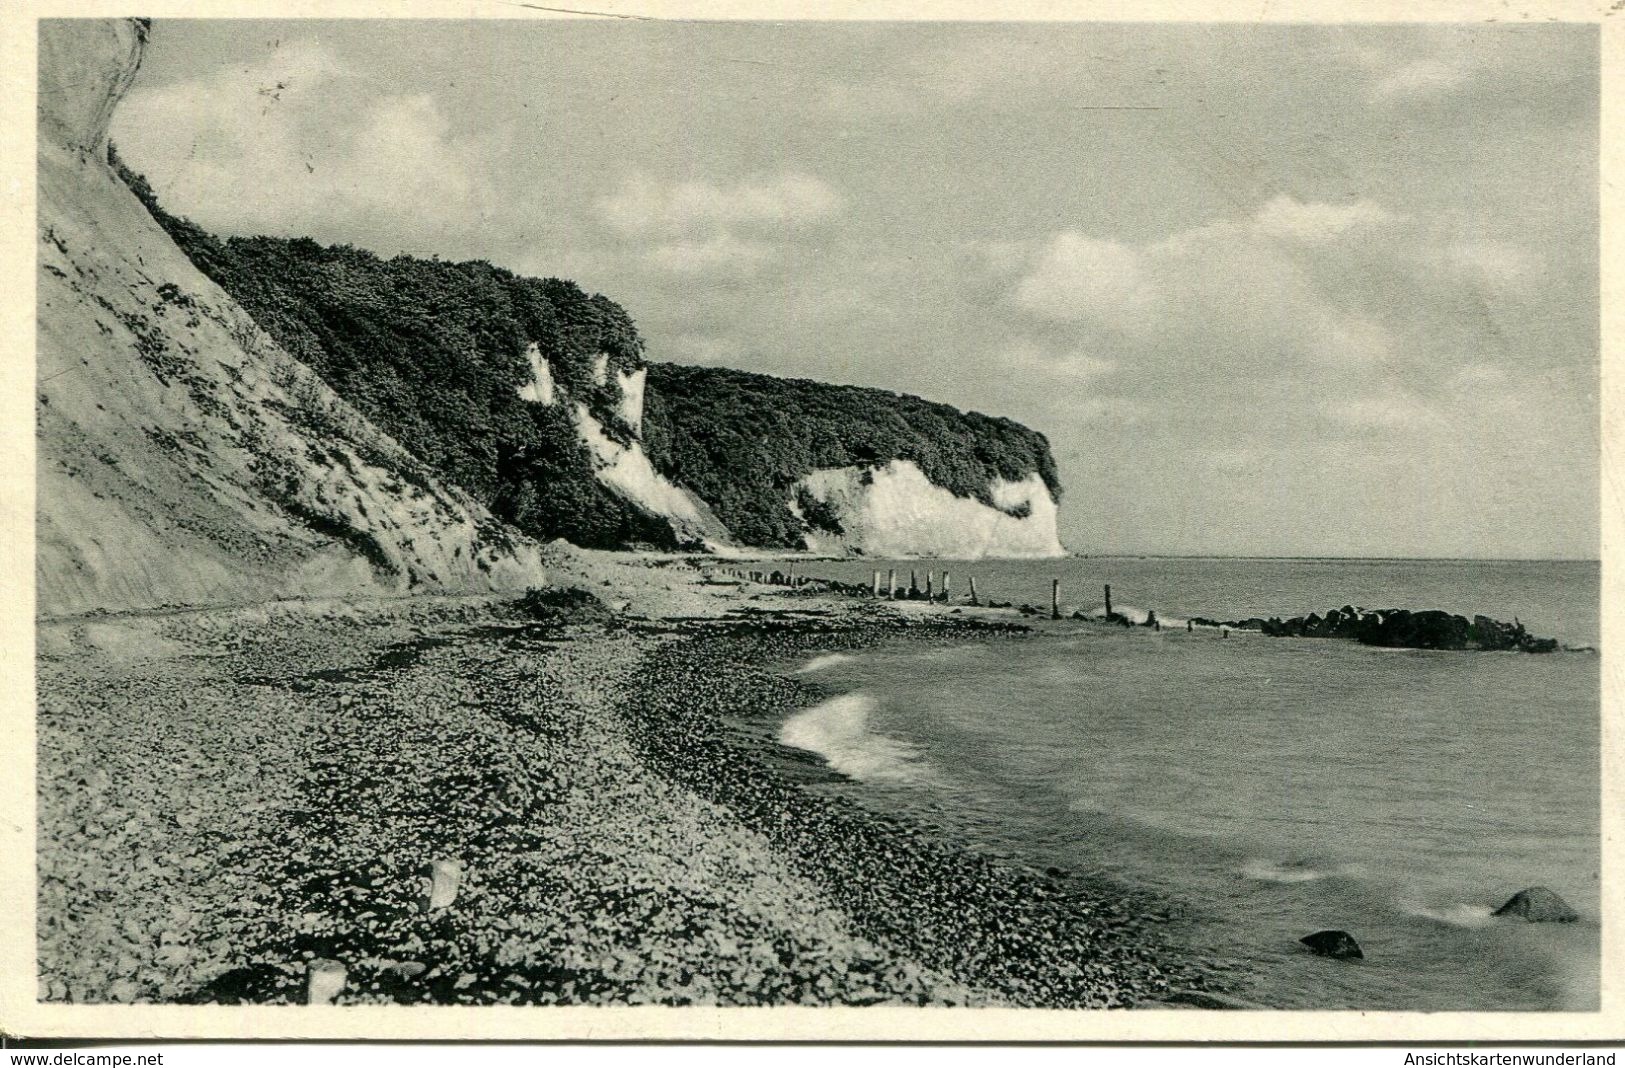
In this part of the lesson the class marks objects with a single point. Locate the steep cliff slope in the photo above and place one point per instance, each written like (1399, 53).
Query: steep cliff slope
(526, 393)
(184, 456)
(793, 463)
(535, 399)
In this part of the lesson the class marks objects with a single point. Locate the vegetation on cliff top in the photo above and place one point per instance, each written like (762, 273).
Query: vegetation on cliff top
(742, 441)
(433, 353)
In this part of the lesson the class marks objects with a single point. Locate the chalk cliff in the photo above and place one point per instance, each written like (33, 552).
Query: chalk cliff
(791, 463)
(225, 420)
(896, 511)
(537, 398)
(183, 456)
(527, 393)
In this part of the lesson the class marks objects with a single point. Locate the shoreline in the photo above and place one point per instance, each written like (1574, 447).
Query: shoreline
(228, 800)
(1040, 938)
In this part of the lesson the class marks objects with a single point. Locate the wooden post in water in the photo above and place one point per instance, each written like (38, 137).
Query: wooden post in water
(874, 588)
(913, 583)
(1108, 600)
(891, 584)
(1190, 628)
(973, 598)
(1055, 598)
(930, 595)
(945, 587)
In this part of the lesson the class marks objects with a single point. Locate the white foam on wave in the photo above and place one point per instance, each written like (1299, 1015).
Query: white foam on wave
(1458, 915)
(838, 730)
(819, 663)
(1270, 871)
(1136, 615)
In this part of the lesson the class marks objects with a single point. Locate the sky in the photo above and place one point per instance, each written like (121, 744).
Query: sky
(1269, 290)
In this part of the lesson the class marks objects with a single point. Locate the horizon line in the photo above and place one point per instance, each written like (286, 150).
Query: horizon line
(1121, 555)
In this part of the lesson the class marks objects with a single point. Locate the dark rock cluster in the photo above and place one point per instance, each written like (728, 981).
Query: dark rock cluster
(1398, 628)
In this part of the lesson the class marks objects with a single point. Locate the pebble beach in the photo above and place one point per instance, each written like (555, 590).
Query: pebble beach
(457, 801)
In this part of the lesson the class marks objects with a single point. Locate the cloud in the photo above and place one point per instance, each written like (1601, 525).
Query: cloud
(1290, 218)
(1421, 77)
(643, 206)
(1027, 356)
(1387, 411)
(1252, 280)
(1002, 68)
(722, 253)
(1077, 277)
(1326, 319)
(1499, 265)
(721, 229)
(1507, 62)
(316, 169)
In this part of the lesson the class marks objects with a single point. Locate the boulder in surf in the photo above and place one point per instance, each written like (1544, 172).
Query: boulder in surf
(1339, 945)
(1538, 905)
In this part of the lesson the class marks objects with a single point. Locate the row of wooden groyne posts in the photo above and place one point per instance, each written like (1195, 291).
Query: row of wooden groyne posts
(891, 590)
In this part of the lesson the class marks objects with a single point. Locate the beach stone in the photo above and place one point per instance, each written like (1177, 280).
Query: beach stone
(1538, 905)
(1339, 945)
(324, 981)
(444, 879)
(407, 969)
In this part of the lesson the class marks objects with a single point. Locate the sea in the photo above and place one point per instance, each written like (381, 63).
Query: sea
(1268, 788)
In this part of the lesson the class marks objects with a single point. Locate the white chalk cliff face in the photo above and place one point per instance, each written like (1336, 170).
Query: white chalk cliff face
(184, 458)
(632, 397)
(895, 511)
(625, 468)
(539, 390)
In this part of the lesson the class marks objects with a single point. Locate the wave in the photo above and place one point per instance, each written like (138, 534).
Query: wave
(1138, 616)
(819, 663)
(838, 730)
(1271, 871)
(1459, 915)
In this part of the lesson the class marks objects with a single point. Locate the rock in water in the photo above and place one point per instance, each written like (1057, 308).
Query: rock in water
(1339, 945)
(1538, 905)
